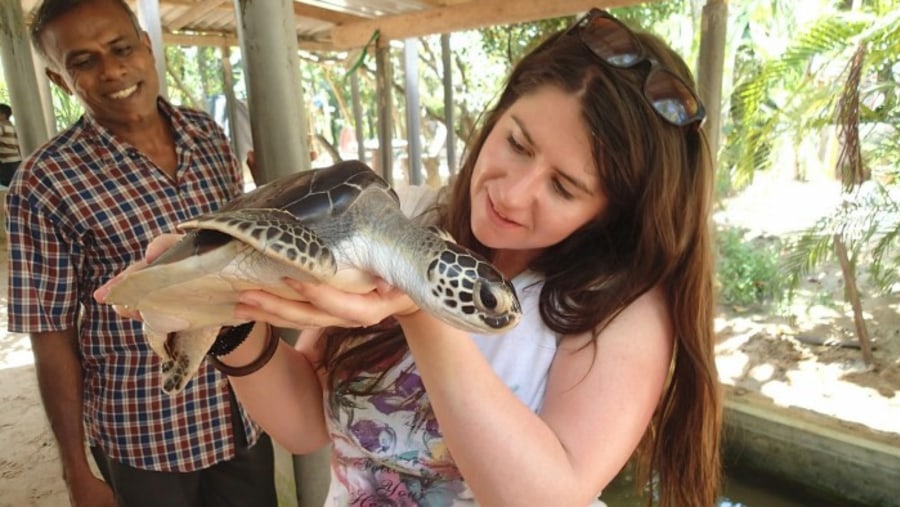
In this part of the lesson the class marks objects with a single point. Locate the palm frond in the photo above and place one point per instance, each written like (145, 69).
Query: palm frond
(868, 220)
(757, 118)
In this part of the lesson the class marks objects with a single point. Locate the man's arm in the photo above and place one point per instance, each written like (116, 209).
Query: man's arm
(60, 377)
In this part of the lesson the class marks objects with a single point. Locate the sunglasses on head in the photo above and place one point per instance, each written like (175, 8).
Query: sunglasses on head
(617, 45)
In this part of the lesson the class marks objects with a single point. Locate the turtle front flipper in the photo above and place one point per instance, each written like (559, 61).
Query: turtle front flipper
(277, 234)
(183, 352)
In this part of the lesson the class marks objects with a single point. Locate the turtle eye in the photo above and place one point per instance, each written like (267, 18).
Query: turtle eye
(486, 298)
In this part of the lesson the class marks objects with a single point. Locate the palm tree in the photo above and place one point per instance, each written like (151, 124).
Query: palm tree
(841, 76)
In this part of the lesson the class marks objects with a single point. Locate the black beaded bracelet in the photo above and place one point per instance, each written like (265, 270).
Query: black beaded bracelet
(263, 359)
(229, 338)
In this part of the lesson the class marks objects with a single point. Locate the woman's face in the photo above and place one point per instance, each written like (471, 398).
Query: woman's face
(535, 181)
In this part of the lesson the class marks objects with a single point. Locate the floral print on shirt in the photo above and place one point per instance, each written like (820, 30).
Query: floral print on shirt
(388, 450)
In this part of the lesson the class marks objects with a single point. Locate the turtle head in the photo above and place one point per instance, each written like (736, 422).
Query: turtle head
(470, 293)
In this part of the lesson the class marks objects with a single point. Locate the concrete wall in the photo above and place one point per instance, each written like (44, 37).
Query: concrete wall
(843, 464)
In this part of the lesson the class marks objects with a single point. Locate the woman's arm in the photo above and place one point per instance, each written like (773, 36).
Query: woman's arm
(284, 396)
(598, 403)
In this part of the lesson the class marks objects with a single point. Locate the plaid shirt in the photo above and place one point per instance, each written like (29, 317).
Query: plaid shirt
(81, 209)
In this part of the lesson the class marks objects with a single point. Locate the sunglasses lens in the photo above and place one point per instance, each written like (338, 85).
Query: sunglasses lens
(672, 98)
(617, 45)
(612, 42)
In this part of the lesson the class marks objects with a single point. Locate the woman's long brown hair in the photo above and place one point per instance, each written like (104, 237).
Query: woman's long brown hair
(654, 233)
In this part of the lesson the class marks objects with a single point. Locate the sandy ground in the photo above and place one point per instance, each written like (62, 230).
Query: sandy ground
(757, 351)
(773, 352)
(29, 468)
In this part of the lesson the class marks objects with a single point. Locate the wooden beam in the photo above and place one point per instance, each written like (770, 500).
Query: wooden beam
(321, 14)
(223, 18)
(218, 39)
(301, 9)
(194, 13)
(464, 16)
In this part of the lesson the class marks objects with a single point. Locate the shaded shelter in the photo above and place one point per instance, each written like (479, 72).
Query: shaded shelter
(321, 25)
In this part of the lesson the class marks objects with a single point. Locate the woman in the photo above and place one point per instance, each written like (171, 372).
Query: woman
(588, 186)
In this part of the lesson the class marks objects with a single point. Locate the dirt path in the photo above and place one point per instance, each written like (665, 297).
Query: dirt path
(30, 474)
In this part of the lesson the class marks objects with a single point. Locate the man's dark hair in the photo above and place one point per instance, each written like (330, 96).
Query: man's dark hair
(5, 110)
(52, 9)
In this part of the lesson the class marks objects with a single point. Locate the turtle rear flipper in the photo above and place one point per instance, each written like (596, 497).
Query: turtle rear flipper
(277, 234)
(183, 353)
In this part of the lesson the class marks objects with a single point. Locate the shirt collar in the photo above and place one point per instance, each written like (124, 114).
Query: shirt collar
(184, 131)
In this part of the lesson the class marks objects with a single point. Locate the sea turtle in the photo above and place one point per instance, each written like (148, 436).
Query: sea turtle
(340, 225)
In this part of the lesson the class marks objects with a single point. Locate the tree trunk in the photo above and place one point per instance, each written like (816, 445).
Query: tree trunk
(852, 295)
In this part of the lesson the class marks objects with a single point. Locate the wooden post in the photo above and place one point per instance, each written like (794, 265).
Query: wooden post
(358, 118)
(19, 69)
(148, 15)
(413, 122)
(267, 31)
(230, 99)
(448, 102)
(711, 61)
(383, 83)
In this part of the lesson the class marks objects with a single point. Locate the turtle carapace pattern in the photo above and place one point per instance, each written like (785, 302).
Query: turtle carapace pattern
(340, 225)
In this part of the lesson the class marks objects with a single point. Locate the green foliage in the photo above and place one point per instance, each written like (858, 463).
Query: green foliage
(868, 221)
(676, 21)
(792, 93)
(647, 15)
(194, 74)
(66, 107)
(513, 41)
(747, 271)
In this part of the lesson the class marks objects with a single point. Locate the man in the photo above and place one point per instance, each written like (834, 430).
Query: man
(10, 157)
(80, 210)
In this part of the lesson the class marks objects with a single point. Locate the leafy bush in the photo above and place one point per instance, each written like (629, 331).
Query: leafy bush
(747, 271)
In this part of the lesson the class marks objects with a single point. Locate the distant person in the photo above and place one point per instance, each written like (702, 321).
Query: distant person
(80, 209)
(10, 154)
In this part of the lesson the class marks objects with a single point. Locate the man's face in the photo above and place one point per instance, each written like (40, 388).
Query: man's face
(97, 53)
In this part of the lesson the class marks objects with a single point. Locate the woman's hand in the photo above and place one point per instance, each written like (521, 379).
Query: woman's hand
(154, 249)
(319, 305)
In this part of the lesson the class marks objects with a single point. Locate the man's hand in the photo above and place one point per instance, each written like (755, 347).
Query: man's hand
(91, 492)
